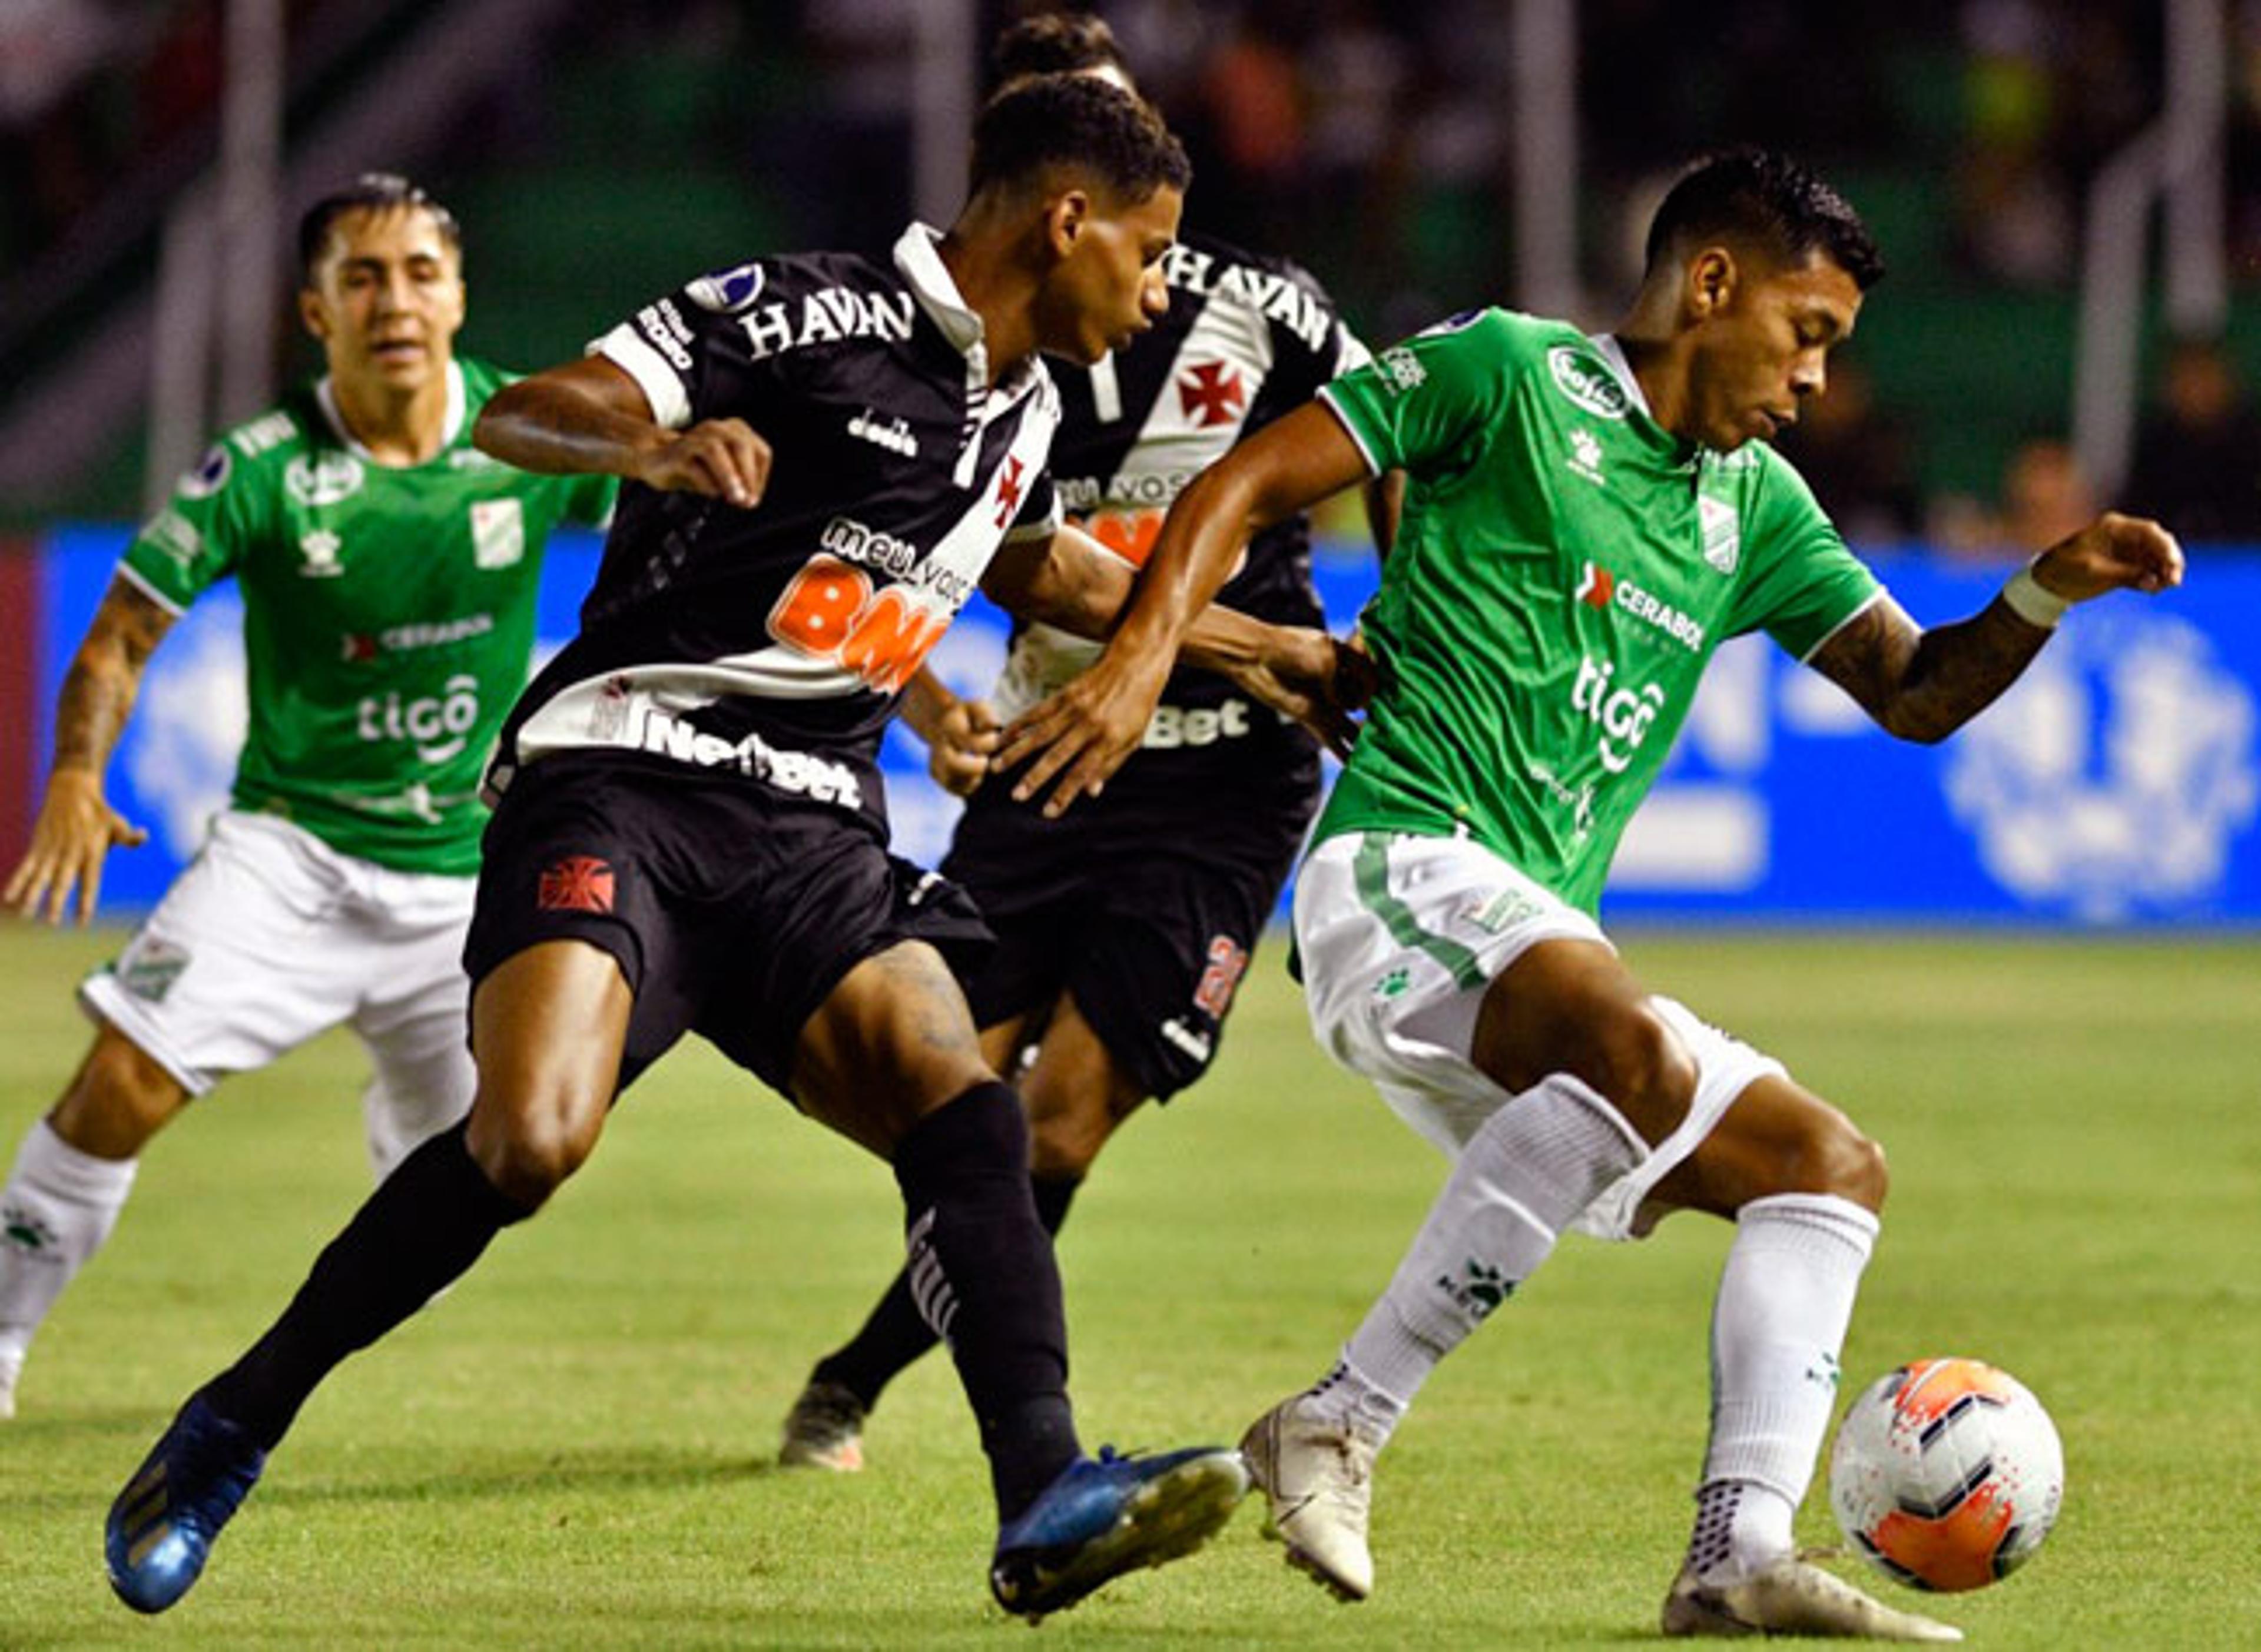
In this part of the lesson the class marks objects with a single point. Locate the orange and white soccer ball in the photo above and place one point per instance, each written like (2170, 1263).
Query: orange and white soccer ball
(1947, 1474)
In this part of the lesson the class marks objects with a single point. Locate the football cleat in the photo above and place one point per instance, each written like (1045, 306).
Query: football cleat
(824, 1429)
(161, 1528)
(1102, 1517)
(1318, 1480)
(1790, 1597)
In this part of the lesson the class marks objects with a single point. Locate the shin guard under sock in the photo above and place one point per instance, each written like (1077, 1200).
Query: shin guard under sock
(981, 1272)
(424, 1226)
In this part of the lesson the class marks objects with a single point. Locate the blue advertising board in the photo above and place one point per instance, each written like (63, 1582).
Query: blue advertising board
(2118, 783)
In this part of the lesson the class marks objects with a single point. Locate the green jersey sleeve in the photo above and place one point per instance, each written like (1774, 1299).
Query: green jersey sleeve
(1428, 405)
(201, 536)
(1804, 582)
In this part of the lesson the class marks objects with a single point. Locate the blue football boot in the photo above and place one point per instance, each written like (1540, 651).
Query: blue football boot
(1101, 1518)
(160, 1530)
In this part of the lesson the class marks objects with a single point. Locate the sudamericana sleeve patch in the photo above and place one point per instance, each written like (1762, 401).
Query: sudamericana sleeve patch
(727, 291)
(210, 475)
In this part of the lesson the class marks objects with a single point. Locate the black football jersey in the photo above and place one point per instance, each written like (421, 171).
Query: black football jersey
(774, 642)
(1247, 339)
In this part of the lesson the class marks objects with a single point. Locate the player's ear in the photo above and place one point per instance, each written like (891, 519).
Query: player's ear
(1712, 277)
(310, 314)
(1066, 215)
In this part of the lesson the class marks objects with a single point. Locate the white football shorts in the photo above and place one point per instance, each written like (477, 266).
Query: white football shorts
(1399, 936)
(269, 937)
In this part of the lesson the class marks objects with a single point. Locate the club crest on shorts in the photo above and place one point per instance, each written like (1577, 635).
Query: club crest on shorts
(149, 968)
(578, 883)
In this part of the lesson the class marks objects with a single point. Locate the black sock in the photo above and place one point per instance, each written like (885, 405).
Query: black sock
(982, 1274)
(423, 1227)
(897, 1335)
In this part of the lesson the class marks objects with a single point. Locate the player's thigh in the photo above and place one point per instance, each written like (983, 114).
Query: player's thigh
(890, 1042)
(413, 1018)
(246, 956)
(1401, 938)
(1076, 1093)
(548, 1024)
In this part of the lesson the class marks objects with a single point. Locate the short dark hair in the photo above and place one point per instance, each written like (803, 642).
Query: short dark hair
(1077, 121)
(371, 192)
(1054, 43)
(1756, 194)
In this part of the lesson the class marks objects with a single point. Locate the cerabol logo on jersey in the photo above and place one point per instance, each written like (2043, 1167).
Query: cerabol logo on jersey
(1587, 383)
(1599, 588)
(2115, 778)
(316, 479)
(1623, 714)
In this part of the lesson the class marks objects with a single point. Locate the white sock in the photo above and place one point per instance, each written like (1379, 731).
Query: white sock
(1531, 1169)
(57, 1208)
(1785, 1298)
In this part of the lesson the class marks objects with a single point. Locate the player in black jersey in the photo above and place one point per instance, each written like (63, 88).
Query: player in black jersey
(1123, 927)
(691, 835)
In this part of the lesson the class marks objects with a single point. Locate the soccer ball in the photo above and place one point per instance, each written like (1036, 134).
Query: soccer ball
(1947, 1474)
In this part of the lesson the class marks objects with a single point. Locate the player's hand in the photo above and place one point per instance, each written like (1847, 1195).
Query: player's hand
(722, 458)
(2113, 553)
(957, 752)
(75, 833)
(1320, 681)
(1084, 733)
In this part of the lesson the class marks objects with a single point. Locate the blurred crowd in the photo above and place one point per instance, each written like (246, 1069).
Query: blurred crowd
(1372, 141)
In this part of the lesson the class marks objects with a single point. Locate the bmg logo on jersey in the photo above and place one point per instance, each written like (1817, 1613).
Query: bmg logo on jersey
(440, 724)
(1623, 714)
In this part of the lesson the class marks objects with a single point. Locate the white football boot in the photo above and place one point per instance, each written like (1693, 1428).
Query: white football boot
(1318, 1480)
(1790, 1597)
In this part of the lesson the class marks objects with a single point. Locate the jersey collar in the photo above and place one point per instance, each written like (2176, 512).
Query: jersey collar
(1613, 356)
(918, 256)
(1685, 452)
(326, 396)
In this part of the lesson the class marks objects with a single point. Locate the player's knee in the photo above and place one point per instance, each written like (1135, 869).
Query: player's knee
(1646, 1070)
(1850, 1164)
(1064, 1144)
(119, 1099)
(529, 1153)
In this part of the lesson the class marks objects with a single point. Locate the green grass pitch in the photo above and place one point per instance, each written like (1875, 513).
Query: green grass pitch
(574, 1447)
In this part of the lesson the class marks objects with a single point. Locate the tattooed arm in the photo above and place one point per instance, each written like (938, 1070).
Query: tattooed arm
(1923, 684)
(76, 827)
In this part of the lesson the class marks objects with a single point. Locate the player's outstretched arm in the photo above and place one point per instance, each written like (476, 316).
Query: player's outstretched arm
(1076, 739)
(76, 827)
(1071, 581)
(1923, 684)
(959, 734)
(589, 416)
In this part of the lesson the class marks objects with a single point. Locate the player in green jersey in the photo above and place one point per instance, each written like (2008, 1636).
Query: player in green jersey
(388, 570)
(1587, 519)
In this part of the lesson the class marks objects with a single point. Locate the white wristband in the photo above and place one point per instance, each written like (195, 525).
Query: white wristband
(2032, 602)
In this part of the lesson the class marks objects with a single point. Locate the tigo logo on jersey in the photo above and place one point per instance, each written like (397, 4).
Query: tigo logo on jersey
(1212, 393)
(578, 883)
(498, 533)
(1623, 714)
(1587, 383)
